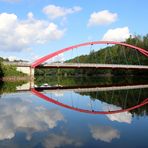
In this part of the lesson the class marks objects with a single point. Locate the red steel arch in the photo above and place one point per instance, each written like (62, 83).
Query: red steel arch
(49, 56)
(46, 98)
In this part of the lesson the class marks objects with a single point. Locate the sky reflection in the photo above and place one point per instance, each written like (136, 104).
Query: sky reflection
(29, 121)
(19, 114)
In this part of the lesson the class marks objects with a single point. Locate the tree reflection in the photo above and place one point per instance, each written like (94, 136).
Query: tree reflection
(123, 98)
(9, 87)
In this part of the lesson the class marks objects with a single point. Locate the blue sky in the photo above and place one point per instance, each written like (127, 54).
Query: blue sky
(33, 28)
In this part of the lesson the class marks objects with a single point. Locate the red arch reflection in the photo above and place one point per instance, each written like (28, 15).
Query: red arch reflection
(46, 98)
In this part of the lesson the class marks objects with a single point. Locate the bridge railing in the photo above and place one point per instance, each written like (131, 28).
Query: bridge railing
(87, 65)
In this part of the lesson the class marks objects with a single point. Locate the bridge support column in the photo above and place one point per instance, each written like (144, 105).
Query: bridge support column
(31, 72)
(27, 70)
(31, 77)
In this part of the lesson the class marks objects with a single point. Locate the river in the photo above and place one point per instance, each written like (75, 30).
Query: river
(72, 112)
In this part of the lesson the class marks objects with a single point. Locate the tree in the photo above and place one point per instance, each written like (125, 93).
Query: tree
(1, 71)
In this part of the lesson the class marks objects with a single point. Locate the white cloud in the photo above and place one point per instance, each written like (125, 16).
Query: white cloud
(104, 133)
(125, 117)
(17, 35)
(117, 34)
(11, 58)
(53, 141)
(102, 18)
(23, 115)
(58, 93)
(54, 12)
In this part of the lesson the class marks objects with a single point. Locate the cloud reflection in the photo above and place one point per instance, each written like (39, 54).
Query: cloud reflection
(125, 117)
(53, 141)
(104, 133)
(25, 116)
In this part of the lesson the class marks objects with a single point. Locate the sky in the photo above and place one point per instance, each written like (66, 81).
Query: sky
(30, 29)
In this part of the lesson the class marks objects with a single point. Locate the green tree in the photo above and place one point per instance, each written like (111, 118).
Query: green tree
(1, 71)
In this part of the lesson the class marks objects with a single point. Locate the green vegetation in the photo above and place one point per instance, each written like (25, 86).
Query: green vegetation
(8, 70)
(89, 81)
(115, 54)
(1, 71)
(9, 87)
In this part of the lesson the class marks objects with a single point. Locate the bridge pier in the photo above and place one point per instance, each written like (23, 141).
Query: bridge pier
(26, 87)
(27, 70)
(32, 72)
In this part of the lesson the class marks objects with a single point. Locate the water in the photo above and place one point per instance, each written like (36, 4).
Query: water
(46, 118)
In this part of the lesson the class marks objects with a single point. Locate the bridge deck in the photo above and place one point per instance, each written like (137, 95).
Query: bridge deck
(84, 65)
(81, 65)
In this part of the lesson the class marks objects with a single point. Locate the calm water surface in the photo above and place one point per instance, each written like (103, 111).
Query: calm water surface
(75, 118)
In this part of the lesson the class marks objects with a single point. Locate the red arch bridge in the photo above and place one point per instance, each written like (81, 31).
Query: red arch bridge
(38, 62)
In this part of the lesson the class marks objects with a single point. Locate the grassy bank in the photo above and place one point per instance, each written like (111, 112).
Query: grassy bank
(10, 72)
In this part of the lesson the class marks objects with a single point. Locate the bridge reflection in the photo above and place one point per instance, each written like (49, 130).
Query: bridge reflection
(37, 92)
(92, 88)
